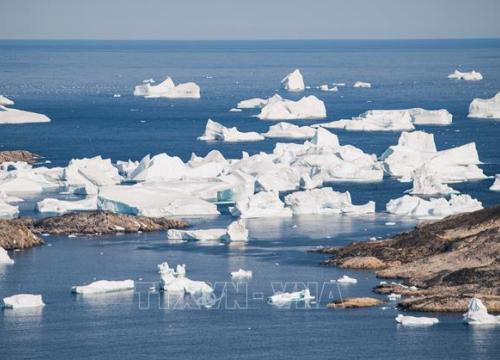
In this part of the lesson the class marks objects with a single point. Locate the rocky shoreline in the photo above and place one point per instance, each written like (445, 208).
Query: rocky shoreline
(18, 155)
(441, 264)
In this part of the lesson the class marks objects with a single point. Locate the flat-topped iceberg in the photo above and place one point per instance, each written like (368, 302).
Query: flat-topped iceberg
(309, 107)
(262, 204)
(103, 286)
(362, 84)
(286, 298)
(325, 201)
(496, 183)
(21, 178)
(347, 280)
(4, 257)
(485, 108)
(217, 132)
(293, 81)
(168, 89)
(325, 87)
(477, 314)
(57, 206)
(467, 75)
(236, 231)
(258, 103)
(14, 116)
(175, 281)
(241, 274)
(289, 131)
(416, 321)
(86, 176)
(23, 301)
(5, 101)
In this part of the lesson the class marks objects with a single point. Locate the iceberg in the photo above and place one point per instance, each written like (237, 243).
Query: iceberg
(416, 321)
(286, 298)
(262, 204)
(309, 107)
(469, 76)
(496, 183)
(361, 84)
(293, 81)
(325, 201)
(14, 116)
(4, 101)
(347, 280)
(168, 89)
(325, 87)
(485, 108)
(24, 179)
(103, 286)
(236, 231)
(86, 176)
(258, 103)
(217, 132)
(393, 297)
(241, 274)
(177, 282)
(477, 314)
(4, 257)
(56, 206)
(8, 211)
(429, 184)
(22, 301)
(290, 131)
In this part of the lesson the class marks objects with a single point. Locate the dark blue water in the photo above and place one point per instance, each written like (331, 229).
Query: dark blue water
(74, 83)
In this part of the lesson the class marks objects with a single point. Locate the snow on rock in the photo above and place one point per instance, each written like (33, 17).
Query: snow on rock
(496, 183)
(103, 286)
(347, 280)
(4, 257)
(286, 298)
(14, 116)
(262, 204)
(485, 108)
(22, 301)
(175, 281)
(86, 176)
(477, 314)
(361, 84)
(168, 89)
(56, 206)
(236, 231)
(309, 107)
(415, 321)
(241, 274)
(217, 132)
(290, 131)
(469, 76)
(293, 81)
(4, 101)
(325, 201)
(432, 208)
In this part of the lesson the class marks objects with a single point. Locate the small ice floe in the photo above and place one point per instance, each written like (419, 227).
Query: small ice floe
(241, 274)
(373, 238)
(168, 89)
(325, 87)
(5, 101)
(104, 286)
(362, 84)
(394, 297)
(175, 281)
(477, 314)
(309, 107)
(485, 108)
(22, 301)
(347, 280)
(148, 81)
(496, 183)
(383, 282)
(293, 81)
(390, 223)
(290, 131)
(4, 257)
(217, 132)
(116, 95)
(468, 76)
(235, 110)
(286, 298)
(338, 84)
(14, 116)
(416, 321)
(236, 231)
(8, 211)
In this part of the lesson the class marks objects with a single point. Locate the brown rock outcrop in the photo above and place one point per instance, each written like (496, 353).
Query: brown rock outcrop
(16, 235)
(354, 303)
(18, 155)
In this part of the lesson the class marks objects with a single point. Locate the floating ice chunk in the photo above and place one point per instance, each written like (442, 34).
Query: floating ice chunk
(361, 84)
(496, 183)
(293, 81)
(286, 298)
(469, 76)
(324, 137)
(290, 131)
(86, 176)
(286, 179)
(258, 102)
(104, 286)
(235, 110)
(477, 314)
(421, 116)
(168, 89)
(5, 101)
(56, 206)
(309, 107)
(347, 280)
(241, 274)
(374, 120)
(485, 108)
(325, 87)
(148, 81)
(177, 282)
(416, 321)
(14, 116)
(307, 182)
(394, 297)
(429, 184)
(8, 211)
(22, 301)
(236, 231)
(217, 132)
(23, 179)
(262, 204)
(325, 201)
(338, 84)
(125, 168)
(4, 257)
(117, 96)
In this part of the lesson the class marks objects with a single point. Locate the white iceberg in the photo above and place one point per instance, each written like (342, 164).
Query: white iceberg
(416, 321)
(262, 204)
(24, 179)
(485, 108)
(22, 301)
(104, 286)
(4, 257)
(14, 116)
(469, 76)
(496, 184)
(286, 298)
(5, 101)
(289, 131)
(236, 231)
(8, 211)
(325, 87)
(309, 107)
(477, 314)
(258, 103)
(175, 281)
(293, 81)
(393, 297)
(217, 132)
(347, 280)
(57, 206)
(86, 176)
(429, 184)
(241, 274)
(168, 89)
(362, 84)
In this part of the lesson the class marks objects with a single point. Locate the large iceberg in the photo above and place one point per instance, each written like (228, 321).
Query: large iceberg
(469, 76)
(104, 286)
(217, 132)
(57, 206)
(86, 176)
(416, 321)
(262, 204)
(5, 101)
(429, 184)
(285, 298)
(168, 89)
(21, 178)
(496, 184)
(485, 108)
(309, 107)
(293, 81)
(325, 201)
(22, 301)
(14, 116)
(290, 131)
(258, 102)
(236, 231)
(477, 314)
(175, 281)
(4, 257)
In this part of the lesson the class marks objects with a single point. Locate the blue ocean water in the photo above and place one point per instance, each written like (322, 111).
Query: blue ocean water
(74, 83)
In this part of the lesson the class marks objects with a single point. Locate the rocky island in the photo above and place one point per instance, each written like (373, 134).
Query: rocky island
(18, 155)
